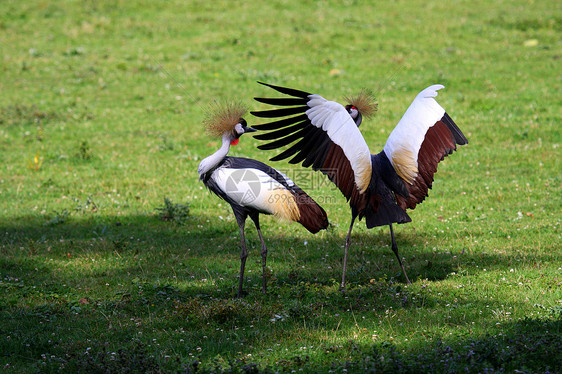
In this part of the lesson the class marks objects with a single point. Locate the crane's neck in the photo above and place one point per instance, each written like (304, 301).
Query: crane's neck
(213, 160)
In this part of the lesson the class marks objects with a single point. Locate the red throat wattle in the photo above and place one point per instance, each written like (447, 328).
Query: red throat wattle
(235, 141)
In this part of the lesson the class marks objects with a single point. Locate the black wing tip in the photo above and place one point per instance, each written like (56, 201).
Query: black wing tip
(277, 158)
(278, 113)
(269, 85)
(260, 127)
(265, 147)
(460, 138)
(260, 113)
(286, 90)
(260, 137)
(282, 101)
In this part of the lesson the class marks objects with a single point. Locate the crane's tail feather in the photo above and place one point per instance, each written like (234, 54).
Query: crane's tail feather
(384, 212)
(312, 216)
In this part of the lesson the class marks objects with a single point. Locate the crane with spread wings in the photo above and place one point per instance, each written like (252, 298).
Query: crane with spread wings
(325, 135)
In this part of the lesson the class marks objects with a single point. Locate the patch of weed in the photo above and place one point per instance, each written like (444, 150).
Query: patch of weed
(21, 114)
(166, 144)
(170, 212)
(59, 217)
(88, 206)
(135, 358)
(84, 151)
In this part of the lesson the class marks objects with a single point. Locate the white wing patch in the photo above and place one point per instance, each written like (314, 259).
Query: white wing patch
(342, 130)
(256, 189)
(404, 143)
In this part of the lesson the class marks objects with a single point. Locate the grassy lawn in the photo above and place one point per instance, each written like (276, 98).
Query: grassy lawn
(101, 104)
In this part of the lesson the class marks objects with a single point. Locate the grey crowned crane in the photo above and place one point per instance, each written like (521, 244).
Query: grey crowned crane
(251, 187)
(378, 187)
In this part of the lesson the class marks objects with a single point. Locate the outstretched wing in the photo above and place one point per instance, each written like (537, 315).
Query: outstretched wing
(424, 136)
(318, 133)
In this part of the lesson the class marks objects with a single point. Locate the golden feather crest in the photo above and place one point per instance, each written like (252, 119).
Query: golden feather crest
(364, 101)
(221, 118)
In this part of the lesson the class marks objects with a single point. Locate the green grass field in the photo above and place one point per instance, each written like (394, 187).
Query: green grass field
(101, 104)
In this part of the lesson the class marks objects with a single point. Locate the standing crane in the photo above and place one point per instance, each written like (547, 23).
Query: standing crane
(378, 187)
(251, 187)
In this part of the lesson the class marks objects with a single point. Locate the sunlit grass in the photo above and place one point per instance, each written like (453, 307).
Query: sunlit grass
(100, 111)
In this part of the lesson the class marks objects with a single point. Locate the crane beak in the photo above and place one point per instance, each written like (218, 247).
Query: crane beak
(249, 129)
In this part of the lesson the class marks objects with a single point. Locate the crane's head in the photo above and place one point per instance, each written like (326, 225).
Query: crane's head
(361, 105)
(225, 120)
(239, 129)
(354, 113)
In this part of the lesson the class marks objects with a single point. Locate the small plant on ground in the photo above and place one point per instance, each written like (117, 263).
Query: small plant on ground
(58, 218)
(166, 144)
(36, 163)
(86, 206)
(25, 115)
(84, 151)
(177, 213)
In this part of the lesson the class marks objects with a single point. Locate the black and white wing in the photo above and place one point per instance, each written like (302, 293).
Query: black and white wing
(320, 134)
(422, 138)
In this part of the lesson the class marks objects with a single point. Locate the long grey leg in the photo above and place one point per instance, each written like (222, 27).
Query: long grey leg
(264, 261)
(256, 219)
(395, 250)
(347, 243)
(243, 256)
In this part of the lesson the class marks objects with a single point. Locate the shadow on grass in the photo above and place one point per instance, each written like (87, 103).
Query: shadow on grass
(99, 281)
(205, 243)
(530, 345)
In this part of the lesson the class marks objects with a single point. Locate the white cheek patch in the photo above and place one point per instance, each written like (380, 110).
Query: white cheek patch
(239, 129)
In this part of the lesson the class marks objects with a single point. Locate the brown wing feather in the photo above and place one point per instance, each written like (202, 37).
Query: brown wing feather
(438, 143)
(338, 168)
